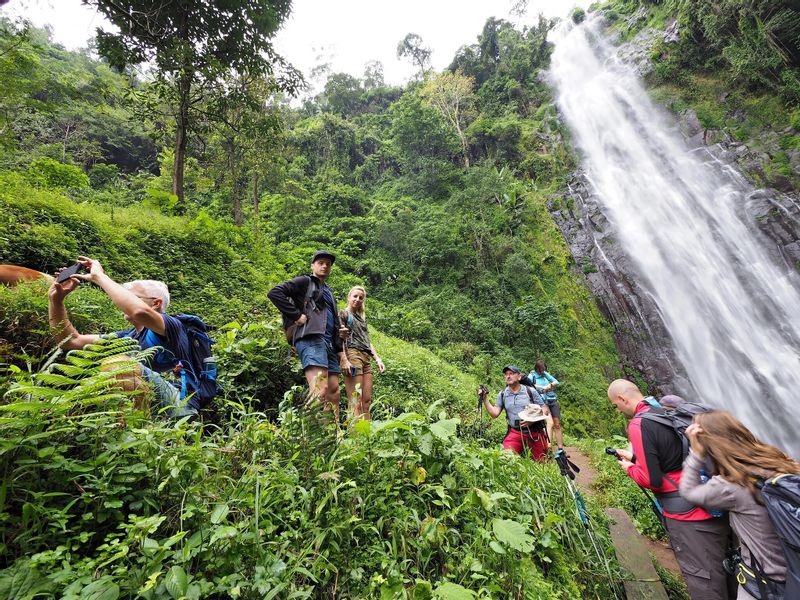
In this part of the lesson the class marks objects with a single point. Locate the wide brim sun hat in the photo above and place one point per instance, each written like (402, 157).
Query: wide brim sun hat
(532, 414)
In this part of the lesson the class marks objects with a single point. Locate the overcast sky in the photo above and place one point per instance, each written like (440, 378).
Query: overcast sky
(345, 33)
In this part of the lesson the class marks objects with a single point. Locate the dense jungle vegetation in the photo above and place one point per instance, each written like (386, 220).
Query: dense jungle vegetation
(434, 195)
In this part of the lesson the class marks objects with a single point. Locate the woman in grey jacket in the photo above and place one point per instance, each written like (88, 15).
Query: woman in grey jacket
(741, 460)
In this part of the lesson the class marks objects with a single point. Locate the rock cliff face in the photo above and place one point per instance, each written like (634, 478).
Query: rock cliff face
(643, 342)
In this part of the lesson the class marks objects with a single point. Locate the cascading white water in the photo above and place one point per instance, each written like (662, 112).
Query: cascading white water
(733, 312)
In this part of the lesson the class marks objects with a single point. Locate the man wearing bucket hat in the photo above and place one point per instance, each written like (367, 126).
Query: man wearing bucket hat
(526, 413)
(312, 326)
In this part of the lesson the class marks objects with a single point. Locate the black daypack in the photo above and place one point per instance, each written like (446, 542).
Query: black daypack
(200, 344)
(678, 419)
(309, 298)
(781, 496)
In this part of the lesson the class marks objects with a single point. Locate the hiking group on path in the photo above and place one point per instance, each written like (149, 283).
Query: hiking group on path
(729, 502)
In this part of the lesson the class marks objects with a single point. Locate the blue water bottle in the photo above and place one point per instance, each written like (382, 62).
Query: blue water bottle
(210, 368)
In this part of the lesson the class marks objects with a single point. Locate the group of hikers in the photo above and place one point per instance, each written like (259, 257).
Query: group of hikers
(729, 501)
(328, 341)
(709, 477)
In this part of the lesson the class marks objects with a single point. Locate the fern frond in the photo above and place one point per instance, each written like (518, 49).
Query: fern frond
(54, 379)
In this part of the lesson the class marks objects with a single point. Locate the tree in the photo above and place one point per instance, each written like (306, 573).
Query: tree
(452, 95)
(411, 47)
(373, 75)
(194, 44)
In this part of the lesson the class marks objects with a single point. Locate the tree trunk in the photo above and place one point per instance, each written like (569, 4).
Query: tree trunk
(235, 187)
(181, 125)
(256, 204)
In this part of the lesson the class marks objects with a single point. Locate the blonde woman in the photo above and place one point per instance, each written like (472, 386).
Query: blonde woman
(741, 459)
(359, 352)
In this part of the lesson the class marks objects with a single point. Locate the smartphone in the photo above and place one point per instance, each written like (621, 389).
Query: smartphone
(613, 452)
(353, 371)
(69, 272)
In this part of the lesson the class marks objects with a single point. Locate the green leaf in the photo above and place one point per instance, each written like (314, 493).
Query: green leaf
(453, 591)
(512, 534)
(497, 547)
(422, 590)
(363, 427)
(444, 429)
(219, 513)
(102, 589)
(486, 500)
(176, 582)
(222, 533)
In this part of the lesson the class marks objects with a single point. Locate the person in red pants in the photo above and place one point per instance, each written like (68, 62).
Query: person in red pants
(522, 434)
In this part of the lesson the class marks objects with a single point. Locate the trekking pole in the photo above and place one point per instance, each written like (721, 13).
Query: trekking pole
(482, 393)
(568, 470)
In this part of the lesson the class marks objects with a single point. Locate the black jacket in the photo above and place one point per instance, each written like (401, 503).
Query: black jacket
(288, 297)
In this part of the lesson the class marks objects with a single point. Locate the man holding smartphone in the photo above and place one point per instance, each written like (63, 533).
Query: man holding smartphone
(144, 304)
(313, 328)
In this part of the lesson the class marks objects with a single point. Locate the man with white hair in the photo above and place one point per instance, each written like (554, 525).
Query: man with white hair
(144, 304)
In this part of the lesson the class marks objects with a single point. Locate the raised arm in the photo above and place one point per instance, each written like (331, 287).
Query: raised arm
(58, 318)
(493, 410)
(138, 312)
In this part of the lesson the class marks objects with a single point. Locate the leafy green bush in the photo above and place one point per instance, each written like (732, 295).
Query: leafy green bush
(48, 173)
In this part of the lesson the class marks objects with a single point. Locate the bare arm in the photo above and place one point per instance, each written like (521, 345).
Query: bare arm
(137, 311)
(494, 411)
(58, 318)
(378, 361)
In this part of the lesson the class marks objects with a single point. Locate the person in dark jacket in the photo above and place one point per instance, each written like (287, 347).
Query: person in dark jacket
(312, 326)
(741, 459)
(654, 461)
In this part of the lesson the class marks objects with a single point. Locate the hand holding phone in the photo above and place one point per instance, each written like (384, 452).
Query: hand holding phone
(68, 272)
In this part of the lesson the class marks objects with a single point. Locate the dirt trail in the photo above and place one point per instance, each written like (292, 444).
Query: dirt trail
(585, 478)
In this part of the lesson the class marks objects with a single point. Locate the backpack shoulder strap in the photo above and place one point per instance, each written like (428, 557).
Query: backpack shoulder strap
(530, 394)
(310, 289)
(668, 421)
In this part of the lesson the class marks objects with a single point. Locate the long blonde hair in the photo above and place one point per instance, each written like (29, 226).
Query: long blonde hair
(362, 311)
(739, 455)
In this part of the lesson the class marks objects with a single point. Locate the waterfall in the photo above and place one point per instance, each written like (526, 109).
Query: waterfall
(731, 307)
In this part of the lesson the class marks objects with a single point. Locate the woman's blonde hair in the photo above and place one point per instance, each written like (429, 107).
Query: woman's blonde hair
(359, 288)
(739, 455)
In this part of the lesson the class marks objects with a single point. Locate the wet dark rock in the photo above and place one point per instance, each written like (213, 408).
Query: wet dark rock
(672, 35)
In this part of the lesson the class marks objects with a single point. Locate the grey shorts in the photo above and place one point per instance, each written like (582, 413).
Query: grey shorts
(167, 395)
(555, 408)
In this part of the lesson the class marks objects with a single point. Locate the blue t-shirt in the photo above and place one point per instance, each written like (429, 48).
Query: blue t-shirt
(174, 349)
(540, 381)
(330, 309)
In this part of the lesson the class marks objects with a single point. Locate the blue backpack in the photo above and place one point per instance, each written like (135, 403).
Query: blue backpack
(781, 497)
(203, 373)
